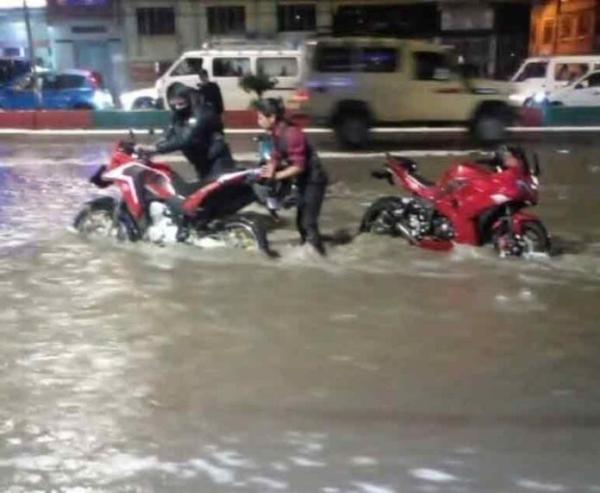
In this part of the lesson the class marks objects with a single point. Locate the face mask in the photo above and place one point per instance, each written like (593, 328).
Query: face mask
(180, 107)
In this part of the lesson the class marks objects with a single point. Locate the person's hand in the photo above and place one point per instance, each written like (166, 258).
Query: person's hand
(266, 172)
(142, 149)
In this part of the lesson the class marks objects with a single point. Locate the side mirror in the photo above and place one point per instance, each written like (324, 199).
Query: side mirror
(579, 86)
(536, 165)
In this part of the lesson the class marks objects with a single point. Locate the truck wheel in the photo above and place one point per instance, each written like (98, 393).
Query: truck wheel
(352, 131)
(489, 127)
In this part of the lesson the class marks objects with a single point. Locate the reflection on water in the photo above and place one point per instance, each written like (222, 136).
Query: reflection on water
(380, 369)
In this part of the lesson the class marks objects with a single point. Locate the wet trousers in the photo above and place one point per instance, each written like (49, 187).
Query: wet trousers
(311, 198)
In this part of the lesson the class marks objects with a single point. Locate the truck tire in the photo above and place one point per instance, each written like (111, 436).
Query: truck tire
(352, 130)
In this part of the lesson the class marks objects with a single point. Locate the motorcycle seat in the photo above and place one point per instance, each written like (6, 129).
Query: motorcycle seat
(186, 188)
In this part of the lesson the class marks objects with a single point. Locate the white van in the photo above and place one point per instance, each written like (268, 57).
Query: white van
(539, 76)
(225, 66)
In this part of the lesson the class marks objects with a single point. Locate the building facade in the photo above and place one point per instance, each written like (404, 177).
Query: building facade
(88, 34)
(565, 27)
(491, 36)
(14, 42)
(132, 41)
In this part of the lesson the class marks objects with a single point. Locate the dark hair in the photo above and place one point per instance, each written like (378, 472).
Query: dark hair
(271, 107)
(203, 73)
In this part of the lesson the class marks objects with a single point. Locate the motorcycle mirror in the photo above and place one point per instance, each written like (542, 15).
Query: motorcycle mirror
(536, 165)
(131, 135)
(382, 174)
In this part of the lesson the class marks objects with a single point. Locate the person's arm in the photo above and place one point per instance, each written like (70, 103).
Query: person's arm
(288, 172)
(295, 144)
(185, 137)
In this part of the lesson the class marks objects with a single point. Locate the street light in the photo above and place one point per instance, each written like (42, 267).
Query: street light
(36, 85)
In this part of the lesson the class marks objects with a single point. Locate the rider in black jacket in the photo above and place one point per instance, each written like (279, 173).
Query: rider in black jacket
(196, 131)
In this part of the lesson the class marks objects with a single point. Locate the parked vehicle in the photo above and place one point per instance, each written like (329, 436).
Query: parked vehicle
(583, 92)
(473, 203)
(151, 195)
(65, 90)
(352, 84)
(225, 66)
(140, 99)
(539, 76)
(11, 68)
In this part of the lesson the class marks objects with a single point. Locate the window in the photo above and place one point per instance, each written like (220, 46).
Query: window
(68, 81)
(297, 17)
(584, 23)
(594, 80)
(333, 59)
(570, 72)
(156, 21)
(88, 29)
(432, 66)
(231, 67)
(9, 69)
(533, 70)
(566, 27)
(590, 81)
(378, 60)
(548, 32)
(188, 66)
(277, 67)
(25, 83)
(226, 20)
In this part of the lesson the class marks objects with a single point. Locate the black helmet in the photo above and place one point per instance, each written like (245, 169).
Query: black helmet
(180, 100)
(270, 107)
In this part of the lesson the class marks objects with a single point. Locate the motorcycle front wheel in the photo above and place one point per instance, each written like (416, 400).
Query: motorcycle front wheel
(99, 219)
(534, 239)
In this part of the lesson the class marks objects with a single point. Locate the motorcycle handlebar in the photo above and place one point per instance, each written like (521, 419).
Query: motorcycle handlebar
(380, 174)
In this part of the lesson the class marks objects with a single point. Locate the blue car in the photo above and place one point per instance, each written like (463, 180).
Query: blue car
(65, 90)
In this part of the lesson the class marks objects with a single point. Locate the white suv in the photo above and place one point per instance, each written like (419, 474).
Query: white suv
(225, 66)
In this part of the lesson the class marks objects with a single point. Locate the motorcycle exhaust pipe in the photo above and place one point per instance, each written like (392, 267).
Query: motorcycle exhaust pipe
(406, 233)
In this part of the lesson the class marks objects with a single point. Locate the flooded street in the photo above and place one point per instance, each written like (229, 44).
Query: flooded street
(381, 369)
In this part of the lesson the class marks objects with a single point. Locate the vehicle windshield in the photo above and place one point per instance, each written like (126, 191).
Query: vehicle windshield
(532, 70)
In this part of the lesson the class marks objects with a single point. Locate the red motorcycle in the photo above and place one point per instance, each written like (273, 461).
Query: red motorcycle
(473, 203)
(155, 204)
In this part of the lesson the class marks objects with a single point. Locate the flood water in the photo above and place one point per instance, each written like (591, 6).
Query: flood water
(383, 368)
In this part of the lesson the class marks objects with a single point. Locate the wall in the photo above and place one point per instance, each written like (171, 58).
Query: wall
(564, 27)
(14, 33)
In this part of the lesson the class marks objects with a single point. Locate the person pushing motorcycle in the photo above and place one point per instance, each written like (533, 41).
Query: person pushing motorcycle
(294, 158)
(196, 130)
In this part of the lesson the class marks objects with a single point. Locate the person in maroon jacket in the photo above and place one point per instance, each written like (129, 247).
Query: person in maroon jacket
(293, 158)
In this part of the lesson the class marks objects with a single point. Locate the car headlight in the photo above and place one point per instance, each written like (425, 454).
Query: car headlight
(516, 97)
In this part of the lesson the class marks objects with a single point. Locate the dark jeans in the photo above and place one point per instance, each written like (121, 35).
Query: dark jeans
(307, 219)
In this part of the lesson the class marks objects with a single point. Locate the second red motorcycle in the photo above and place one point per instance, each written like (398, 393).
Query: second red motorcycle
(473, 203)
